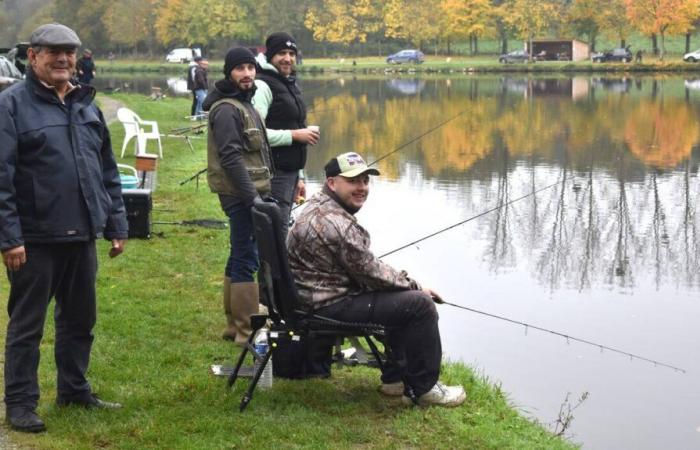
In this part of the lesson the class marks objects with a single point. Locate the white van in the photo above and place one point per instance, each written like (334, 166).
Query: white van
(181, 55)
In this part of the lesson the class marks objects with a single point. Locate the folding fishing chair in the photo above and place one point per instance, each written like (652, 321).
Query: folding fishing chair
(290, 321)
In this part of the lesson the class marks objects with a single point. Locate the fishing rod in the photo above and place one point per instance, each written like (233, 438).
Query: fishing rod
(567, 337)
(495, 208)
(411, 141)
(419, 137)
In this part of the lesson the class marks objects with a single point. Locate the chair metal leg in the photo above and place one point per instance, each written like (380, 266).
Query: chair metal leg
(254, 382)
(375, 351)
(410, 393)
(248, 348)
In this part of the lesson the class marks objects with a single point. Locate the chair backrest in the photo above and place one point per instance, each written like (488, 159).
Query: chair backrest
(127, 115)
(275, 275)
(129, 119)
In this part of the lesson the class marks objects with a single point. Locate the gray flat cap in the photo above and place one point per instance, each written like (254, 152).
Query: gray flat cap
(54, 35)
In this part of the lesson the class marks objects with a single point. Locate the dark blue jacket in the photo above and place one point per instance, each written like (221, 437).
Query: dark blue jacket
(59, 181)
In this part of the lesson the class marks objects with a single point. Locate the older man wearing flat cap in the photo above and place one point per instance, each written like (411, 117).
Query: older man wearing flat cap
(59, 192)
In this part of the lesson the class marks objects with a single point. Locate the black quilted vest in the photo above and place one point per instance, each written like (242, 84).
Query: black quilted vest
(287, 112)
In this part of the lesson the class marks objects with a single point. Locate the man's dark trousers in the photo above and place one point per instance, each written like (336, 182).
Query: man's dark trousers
(66, 271)
(284, 185)
(414, 336)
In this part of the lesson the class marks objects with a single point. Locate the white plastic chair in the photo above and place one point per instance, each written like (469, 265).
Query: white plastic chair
(133, 128)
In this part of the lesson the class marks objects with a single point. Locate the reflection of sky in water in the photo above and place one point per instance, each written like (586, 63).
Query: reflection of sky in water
(610, 255)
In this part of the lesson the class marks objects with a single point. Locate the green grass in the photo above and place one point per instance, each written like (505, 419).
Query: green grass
(159, 329)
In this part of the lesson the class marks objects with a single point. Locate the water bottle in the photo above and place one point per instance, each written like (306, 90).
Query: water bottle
(261, 348)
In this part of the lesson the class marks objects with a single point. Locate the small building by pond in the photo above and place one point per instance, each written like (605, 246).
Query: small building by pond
(559, 50)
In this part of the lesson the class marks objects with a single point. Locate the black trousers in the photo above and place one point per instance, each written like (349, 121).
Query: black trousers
(194, 104)
(67, 272)
(414, 337)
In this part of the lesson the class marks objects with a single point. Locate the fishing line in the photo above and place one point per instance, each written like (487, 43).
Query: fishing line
(495, 208)
(568, 337)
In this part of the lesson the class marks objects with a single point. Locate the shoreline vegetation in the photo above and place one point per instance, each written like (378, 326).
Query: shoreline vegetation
(159, 330)
(432, 64)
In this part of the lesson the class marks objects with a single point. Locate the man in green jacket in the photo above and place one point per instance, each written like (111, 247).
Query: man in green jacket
(239, 170)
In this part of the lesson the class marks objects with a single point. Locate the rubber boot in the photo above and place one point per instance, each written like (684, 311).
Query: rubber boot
(245, 299)
(230, 331)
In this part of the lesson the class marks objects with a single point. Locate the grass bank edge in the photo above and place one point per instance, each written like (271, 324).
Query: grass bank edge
(158, 332)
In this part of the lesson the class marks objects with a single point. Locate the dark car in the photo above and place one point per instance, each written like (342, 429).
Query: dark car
(515, 56)
(406, 56)
(9, 74)
(617, 54)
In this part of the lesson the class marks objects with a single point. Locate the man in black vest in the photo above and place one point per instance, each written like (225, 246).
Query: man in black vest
(278, 100)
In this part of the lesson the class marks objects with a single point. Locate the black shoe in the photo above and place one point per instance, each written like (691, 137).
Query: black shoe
(23, 418)
(87, 400)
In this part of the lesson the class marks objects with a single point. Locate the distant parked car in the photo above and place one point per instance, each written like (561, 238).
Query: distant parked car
(513, 57)
(9, 74)
(406, 56)
(617, 54)
(692, 56)
(182, 55)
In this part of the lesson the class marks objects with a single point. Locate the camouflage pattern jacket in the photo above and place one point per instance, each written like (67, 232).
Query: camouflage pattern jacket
(330, 258)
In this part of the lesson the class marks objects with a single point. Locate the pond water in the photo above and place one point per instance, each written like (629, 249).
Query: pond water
(607, 250)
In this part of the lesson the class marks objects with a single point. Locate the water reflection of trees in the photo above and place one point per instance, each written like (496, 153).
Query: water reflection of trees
(629, 185)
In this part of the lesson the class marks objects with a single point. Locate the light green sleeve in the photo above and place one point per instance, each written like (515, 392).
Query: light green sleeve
(262, 101)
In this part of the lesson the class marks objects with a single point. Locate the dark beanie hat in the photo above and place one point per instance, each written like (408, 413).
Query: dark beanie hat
(236, 56)
(279, 41)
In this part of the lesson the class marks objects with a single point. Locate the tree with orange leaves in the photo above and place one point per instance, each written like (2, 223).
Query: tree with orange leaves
(663, 17)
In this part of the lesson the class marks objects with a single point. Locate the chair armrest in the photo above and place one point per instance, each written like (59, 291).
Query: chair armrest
(151, 123)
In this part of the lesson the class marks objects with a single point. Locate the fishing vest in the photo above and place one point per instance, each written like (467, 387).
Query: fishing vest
(287, 112)
(256, 155)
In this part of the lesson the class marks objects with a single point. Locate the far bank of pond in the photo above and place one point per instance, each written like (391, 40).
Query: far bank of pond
(486, 64)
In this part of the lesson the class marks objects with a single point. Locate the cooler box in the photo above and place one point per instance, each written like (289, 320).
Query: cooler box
(138, 204)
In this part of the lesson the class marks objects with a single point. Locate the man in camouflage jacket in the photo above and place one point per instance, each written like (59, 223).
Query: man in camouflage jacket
(339, 277)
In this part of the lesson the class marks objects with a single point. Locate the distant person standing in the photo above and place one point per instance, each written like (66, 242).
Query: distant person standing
(190, 82)
(200, 85)
(278, 99)
(638, 57)
(86, 67)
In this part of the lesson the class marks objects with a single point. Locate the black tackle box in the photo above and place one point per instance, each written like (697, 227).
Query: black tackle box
(138, 204)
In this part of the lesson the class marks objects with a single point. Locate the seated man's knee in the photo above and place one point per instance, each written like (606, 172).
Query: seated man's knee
(425, 305)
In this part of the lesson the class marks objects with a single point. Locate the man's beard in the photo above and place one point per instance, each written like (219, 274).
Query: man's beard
(349, 208)
(238, 85)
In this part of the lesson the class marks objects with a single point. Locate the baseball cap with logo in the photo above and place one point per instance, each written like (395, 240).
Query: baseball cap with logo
(348, 165)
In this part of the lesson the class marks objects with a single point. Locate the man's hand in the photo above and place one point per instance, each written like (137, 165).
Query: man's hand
(434, 295)
(300, 196)
(14, 258)
(117, 247)
(306, 136)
